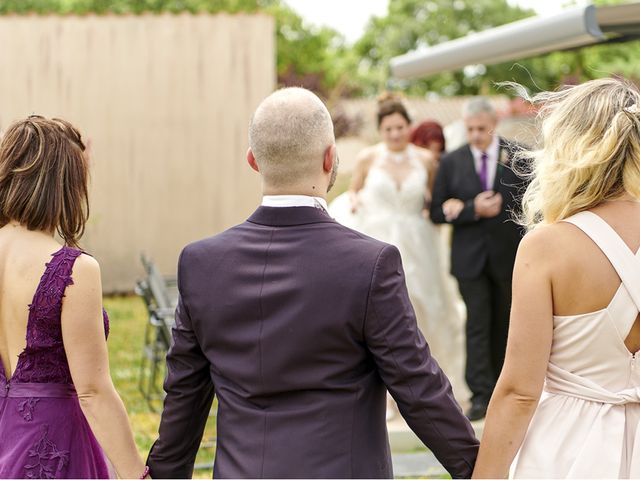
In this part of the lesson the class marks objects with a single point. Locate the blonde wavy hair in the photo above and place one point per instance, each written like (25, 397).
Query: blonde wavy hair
(590, 150)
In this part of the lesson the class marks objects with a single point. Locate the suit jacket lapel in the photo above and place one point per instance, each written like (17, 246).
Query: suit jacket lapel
(289, 216)
(499, 167)
(470, 169)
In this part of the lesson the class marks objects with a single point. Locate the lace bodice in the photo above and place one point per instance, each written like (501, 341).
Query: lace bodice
(382, 193)
(44, 360)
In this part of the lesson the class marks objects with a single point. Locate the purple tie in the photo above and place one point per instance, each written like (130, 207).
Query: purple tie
(483, 174)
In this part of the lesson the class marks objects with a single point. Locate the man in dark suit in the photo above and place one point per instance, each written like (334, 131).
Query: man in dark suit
(297, 324)
(477, 191)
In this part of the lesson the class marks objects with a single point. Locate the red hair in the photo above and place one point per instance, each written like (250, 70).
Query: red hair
(427, 132)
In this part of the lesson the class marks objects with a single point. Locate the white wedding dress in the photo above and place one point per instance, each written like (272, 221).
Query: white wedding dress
(392, 213)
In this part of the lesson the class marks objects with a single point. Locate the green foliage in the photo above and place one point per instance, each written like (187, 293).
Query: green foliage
(307, 55)
(81, 7)
(318, 57)
(571, 67)
(412, 24)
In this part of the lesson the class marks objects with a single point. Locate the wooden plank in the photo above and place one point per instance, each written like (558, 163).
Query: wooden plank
(166, 101)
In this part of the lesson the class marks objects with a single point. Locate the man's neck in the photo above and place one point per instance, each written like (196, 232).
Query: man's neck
(494, 144)
(294, 201)
(313, 192)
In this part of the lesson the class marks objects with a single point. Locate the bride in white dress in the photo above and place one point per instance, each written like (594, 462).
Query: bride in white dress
(389, 191)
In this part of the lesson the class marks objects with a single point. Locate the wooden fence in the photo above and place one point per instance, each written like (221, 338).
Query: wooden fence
(165, 102)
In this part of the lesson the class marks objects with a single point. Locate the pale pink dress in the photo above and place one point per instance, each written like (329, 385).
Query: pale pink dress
(586, 424)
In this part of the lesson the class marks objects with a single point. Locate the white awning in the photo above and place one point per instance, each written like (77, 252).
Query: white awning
(573, 28)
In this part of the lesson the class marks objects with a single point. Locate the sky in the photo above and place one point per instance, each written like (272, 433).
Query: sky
(350, 17)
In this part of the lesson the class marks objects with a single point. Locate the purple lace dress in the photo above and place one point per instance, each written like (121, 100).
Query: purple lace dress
(43, 432)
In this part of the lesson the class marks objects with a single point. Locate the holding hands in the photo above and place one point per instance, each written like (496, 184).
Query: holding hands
(487, 204)
(452, 208)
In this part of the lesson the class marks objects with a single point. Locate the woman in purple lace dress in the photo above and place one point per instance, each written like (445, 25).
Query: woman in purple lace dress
(60, 416)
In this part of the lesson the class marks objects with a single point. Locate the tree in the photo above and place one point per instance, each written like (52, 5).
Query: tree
(308, 56)
(587, 63)
(81, 7)
(411, 24)
(607, 59)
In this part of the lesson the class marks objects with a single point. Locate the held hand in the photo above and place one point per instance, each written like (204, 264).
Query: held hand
(355, 201)
(487, 204)
(427, 198)
(452, 208)
(496, 205)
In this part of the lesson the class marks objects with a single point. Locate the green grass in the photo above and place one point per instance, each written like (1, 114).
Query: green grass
(128, 318)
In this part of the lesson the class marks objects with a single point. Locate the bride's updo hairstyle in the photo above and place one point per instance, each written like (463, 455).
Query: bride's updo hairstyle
(590, 150)
(388, 104)
(43, 177)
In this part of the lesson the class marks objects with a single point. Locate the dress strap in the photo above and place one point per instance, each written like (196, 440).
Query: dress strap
(47, 299)
(414, 157)
(623, 260)
(57, 276)
(381, 152)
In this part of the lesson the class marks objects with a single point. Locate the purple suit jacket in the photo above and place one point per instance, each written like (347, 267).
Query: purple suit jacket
(297, 324)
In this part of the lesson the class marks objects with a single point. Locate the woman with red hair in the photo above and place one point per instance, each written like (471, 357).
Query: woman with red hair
(429, 135)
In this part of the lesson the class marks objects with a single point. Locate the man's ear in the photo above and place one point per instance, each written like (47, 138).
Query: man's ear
(251, 160)
(329, 158)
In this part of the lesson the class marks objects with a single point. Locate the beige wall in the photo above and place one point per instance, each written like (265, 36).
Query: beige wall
(165, 101)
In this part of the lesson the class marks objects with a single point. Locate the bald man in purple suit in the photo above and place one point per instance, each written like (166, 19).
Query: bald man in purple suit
(299, 326)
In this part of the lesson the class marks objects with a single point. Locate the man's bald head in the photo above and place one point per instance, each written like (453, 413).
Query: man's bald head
(289, 134)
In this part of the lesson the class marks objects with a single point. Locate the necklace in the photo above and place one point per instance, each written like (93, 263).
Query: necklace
(397, 157)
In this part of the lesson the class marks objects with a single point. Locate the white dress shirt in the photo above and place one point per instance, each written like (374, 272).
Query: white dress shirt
(493, 151)
(294, 201)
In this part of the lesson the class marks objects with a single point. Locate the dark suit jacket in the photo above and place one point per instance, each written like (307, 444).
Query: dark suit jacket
(477, 241)
(297, 324)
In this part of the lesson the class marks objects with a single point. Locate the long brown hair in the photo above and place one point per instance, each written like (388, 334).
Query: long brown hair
(44, 176)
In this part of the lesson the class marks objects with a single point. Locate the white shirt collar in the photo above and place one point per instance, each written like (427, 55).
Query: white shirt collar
(294, 201)
(493, 153)
(492, 150)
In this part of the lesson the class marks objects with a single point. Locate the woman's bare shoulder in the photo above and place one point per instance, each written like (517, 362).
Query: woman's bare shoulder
(366, 156)
(369, 152)
(422, 152)
(86, 276)
(547, 234)
(86, 265)
(551, 243)
(425, 156)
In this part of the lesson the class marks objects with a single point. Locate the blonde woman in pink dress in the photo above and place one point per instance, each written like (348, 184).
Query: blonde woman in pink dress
(567, 404)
